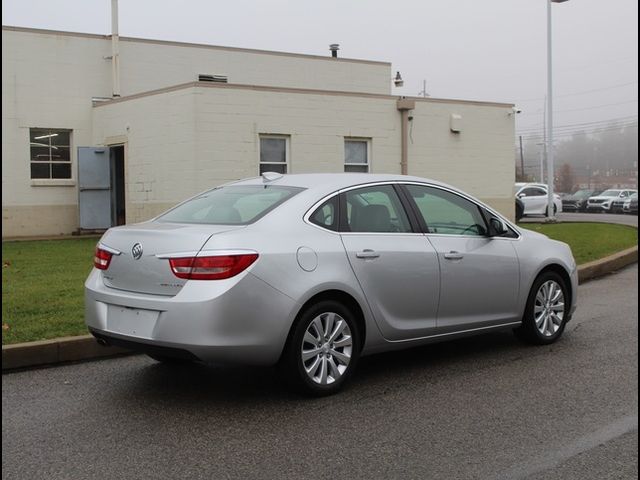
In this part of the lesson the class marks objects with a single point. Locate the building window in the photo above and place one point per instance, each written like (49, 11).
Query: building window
(50, 153)
(274, 153)
(356, 155)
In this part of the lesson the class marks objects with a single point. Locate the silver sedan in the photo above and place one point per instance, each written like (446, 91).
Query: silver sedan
(310, 272)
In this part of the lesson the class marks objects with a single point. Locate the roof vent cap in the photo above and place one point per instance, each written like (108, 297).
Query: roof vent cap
(212, 78)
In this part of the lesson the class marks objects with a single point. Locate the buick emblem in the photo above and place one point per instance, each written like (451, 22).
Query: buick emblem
(136, 251)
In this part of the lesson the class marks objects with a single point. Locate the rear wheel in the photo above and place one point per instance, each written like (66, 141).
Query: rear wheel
(323, 350)
(546, 311)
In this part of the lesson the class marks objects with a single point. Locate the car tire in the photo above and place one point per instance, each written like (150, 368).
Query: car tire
(546, 312)
(322, 350)
(519, 212)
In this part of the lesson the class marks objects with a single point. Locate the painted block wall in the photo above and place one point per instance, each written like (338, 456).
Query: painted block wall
(227, 123)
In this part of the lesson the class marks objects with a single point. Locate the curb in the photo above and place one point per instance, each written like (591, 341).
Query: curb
(610, 264)
(57, 350)
(85, 347)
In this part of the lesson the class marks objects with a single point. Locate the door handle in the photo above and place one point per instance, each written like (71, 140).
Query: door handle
(453, 255)
(367, 253)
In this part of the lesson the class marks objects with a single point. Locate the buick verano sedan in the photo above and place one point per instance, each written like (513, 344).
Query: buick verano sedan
(311, 272)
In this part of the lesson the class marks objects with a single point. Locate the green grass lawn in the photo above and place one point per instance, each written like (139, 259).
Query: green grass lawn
(588, 241)
(43, 281)
(42, 288)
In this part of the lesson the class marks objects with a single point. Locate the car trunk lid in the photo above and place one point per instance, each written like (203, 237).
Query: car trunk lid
(138, 267)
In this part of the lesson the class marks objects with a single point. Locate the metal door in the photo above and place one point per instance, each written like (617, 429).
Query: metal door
(94, 196)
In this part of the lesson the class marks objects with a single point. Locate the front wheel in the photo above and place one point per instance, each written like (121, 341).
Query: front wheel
(546, 311)
(323, 350)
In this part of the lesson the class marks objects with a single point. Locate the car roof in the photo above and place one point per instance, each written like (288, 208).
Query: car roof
(334, 181)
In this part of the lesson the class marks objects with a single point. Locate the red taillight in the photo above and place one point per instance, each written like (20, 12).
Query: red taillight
(101, 259)
(211, 268)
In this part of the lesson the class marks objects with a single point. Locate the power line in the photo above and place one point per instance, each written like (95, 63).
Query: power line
(611, 87)
(587, 108)
(580, 132)
(583, 124)
(579, 127)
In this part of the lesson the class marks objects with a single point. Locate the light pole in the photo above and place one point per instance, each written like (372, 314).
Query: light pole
(550, 153)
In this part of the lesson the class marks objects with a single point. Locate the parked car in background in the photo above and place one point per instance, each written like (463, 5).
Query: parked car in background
(535, 199)
(519, 209)
(609, 201)
(311, 272)
(631, 204)
(577, 202)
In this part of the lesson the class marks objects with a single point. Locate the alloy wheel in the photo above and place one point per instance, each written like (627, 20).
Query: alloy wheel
(549, 308)
(327, 347)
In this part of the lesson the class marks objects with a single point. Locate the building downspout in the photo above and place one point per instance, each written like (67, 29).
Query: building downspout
(115, 53)
(404, 105)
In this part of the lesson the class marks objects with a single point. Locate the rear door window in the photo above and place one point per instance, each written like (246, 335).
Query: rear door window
(375, 209)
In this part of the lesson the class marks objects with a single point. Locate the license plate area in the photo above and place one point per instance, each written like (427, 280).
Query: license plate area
(135, 322)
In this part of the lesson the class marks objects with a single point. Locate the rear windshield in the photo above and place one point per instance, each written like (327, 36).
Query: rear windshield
(232, 205)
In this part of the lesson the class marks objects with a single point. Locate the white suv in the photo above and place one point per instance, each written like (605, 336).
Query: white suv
(535, 199)
(609, 201)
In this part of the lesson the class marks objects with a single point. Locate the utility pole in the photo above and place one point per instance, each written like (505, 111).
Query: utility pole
(541, 155)
(424, 89)
(521, 159)
(544, 139)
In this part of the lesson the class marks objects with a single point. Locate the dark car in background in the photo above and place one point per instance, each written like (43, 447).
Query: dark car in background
(577, 202)
(631, 204)
(519, 209)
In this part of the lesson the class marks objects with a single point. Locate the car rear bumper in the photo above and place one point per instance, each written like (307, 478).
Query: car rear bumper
(242, 320)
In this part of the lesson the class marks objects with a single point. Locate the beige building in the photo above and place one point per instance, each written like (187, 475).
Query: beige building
(193, 116)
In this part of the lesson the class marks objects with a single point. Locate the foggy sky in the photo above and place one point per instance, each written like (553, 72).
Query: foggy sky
(492, 50)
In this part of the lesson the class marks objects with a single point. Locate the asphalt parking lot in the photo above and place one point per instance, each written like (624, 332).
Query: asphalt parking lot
(486, 407)
(621, 218)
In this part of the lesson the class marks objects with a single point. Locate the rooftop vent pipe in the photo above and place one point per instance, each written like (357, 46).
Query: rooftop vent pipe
(115, 53)
(334, 47)
(212, 78)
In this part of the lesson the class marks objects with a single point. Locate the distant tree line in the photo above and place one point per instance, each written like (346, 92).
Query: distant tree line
(609, 154)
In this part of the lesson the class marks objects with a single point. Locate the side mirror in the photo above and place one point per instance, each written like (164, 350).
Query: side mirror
(522, 195)
(497, 227)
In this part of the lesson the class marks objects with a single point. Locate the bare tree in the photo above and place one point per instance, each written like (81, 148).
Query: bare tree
(566, 179)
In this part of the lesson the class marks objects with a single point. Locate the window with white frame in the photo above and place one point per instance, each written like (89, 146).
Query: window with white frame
(274, 153)
(50, 153)
(356, 155)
